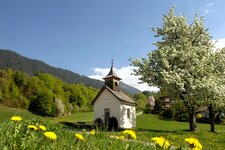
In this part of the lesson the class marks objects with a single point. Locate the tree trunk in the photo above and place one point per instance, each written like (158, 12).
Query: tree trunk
(211, 118)
(192, 119)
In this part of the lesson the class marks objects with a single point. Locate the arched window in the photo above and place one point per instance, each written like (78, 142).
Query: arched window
(107, 116)
(128, 113)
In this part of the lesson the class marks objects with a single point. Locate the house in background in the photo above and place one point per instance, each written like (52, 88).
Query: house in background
(111, 102)
(166, 102)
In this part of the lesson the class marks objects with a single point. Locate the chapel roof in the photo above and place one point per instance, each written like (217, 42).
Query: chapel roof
(112, 73)
(118, 94)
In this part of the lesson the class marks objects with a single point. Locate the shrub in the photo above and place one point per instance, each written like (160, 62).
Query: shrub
(98, 123)
(154, 111)
(113, 124)
(169, 113)
(157, 107)
(43, 104)
(182, 117)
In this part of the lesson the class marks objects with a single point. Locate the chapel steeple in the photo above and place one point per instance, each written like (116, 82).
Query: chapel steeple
(112, 80)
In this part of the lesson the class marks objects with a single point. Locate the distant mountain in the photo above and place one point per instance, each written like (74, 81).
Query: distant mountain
(12, 60)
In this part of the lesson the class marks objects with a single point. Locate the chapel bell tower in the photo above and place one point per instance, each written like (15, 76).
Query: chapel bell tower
(112, 80)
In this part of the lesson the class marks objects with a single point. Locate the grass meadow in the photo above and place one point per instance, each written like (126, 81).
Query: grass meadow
(79, 116)
(7, 112)
(27, 134)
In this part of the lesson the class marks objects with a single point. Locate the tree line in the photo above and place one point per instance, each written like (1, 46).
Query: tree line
(12, 60)
(44, 94)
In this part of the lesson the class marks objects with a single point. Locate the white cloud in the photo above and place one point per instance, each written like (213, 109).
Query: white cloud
(206, 11)
(208, 8)
(99, 73)
(209, 4)
(125, 74)
(220, 43)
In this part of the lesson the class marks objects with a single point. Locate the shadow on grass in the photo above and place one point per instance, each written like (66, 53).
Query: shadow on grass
(170, 119)
(88, 127)
(78, 125)
(163, 131)
(151, 130)
(164, 118)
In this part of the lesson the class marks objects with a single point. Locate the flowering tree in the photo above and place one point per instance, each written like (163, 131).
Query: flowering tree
(182, 62)
(214, 85)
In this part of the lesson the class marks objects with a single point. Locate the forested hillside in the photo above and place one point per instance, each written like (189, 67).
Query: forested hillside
(14, 61)
(44, 94)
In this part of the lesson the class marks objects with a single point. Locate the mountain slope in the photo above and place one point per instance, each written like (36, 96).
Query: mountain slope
(12, 60)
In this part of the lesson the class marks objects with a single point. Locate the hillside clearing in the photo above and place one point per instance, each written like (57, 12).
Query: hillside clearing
(7, 112)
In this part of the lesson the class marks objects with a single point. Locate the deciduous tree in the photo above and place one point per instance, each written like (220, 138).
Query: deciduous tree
(181, 62)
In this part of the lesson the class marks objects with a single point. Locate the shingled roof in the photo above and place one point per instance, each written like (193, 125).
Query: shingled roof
(112, 74)
(118, 94)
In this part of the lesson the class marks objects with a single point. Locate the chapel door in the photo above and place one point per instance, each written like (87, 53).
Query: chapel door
(107, 116)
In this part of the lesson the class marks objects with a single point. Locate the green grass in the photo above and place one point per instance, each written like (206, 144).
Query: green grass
(148, 126)
(7, 112)
(149, 122)
(75, 117)
(16, 136)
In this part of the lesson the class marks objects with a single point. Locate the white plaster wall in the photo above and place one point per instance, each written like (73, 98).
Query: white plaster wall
(107, 100)
(124, 120)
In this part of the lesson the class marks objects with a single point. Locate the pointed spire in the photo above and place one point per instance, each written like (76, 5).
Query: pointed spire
(112, 62)
(112, 72)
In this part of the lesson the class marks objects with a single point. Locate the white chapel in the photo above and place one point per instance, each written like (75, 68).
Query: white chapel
(111, 102)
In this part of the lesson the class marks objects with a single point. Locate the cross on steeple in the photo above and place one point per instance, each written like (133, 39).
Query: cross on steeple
(112, 61)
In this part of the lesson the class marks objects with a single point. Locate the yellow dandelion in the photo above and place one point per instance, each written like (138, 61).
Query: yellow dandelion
(16, 118)
(32, 127)
(191, 140)
(161, 141)
(50, 135)
(42, 127)
(195, 148)
(92, 132)
(130, 133)
(194, 143)
(79, 137)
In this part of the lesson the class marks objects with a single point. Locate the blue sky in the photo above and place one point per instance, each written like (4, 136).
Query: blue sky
(84, 35)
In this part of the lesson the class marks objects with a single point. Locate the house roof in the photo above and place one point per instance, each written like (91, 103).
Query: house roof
(118, 94)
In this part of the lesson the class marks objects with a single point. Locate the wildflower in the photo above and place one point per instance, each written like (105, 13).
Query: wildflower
(119, 137)
(195, 148)
(193, 143)
(16, 118)
(130, 133)
(161, 141)
(92, 132)
(79, 137)
(50, 135)
(42, 127)
(32, 127)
